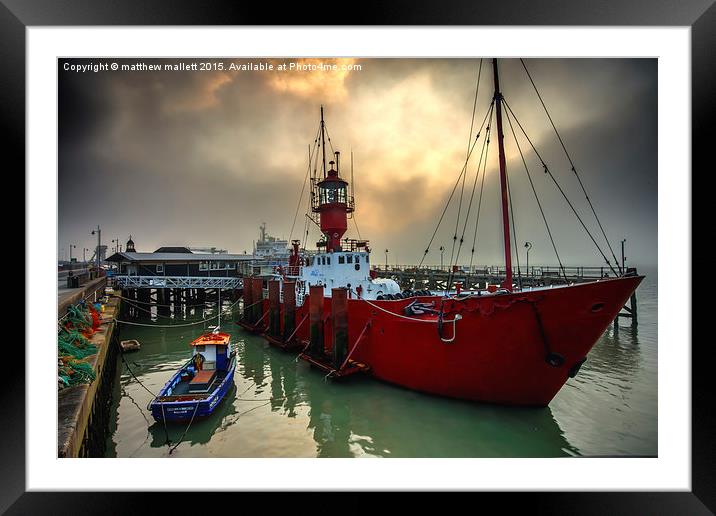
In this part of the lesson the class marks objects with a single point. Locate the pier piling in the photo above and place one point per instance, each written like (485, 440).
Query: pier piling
(315, 309)
(289, 309)
(339, 311)
(248, 301)
(257, 294)
(274, 296)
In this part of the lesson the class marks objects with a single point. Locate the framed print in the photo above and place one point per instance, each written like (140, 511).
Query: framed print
(436, 248)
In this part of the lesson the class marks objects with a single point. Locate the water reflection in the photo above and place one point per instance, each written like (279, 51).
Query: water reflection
(281, 407)
(362, 417)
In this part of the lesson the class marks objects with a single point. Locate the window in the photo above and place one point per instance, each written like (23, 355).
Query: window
(341, 259)
(230, 265)
(357, 258)
(333, 192)
(350, 258)
(213, 265)
(160, 267)
(203, 266)
(329, 260)
(366, 258)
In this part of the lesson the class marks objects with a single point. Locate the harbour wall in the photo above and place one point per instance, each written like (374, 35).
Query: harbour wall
(83, 410)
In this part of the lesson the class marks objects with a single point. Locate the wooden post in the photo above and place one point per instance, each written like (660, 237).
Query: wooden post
(315, 309)
(257, 295)
(248, 300)
(289, 309)
(339, 319)
(274, 296)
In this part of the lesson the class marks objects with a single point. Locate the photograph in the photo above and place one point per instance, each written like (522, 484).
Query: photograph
(357, 257)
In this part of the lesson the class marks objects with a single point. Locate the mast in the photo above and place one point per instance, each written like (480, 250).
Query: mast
(323, 143)
(503, 180)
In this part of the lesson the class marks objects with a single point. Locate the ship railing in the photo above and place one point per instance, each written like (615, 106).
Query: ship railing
(533, 271)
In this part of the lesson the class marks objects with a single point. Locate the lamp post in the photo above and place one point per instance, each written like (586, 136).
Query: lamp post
(623, 257)
(84, 256)
(73, 245)
(97, 232)
(442, 250)
(386, 260)
(528, 245)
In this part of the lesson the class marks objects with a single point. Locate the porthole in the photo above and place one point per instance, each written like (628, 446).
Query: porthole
(597, 307)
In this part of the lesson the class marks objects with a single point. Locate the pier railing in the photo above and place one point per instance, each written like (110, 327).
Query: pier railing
(200, 282)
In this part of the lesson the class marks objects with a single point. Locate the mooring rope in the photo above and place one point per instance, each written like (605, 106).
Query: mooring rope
(396, 314)
(195, 323)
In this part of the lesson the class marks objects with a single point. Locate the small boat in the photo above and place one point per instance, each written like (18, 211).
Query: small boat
(130, 345)
(196, 389)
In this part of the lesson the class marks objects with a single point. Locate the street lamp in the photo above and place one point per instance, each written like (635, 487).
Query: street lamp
(442, 250)
(623, 257)
(386, 259)
(97, 232)
(528, 245)
(71, 246)
(84, 256)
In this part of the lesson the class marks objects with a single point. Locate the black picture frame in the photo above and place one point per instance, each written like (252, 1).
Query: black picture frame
(700, 15)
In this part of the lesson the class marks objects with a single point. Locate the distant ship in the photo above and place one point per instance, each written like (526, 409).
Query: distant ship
(269, 247)
(505, 344)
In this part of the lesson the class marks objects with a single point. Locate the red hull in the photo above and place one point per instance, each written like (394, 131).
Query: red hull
(499, 351)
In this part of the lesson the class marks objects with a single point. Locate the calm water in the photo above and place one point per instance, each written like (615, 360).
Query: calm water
(283, 408)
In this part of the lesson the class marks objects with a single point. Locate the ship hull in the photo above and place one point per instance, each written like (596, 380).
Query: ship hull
(514, 348)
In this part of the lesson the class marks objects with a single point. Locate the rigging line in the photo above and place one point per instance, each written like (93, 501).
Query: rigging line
(474, 106)
(514, 232)
(464, 177)
(427, 249)
(554, 180)
(574, 169)
(534, 191)
(485, 147)
(303, 189)
(479, 204)
(329, 138)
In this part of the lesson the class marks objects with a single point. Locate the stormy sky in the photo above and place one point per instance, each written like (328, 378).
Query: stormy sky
(202, 158)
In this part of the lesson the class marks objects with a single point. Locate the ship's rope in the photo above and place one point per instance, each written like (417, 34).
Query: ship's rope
(514, 231)
(311, 150)
(483, 153)
(154, 396)
(574, 169)
(534, 191)
(400, 316)
(225, 311)
(452, 193)
(479, 203)
(464, 176)
(196, 409)
(564, 195)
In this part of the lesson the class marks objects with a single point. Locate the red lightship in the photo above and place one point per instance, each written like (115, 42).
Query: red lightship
(506, 344)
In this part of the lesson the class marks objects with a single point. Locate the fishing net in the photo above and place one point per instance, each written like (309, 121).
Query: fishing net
(73, 345)
(74, 372)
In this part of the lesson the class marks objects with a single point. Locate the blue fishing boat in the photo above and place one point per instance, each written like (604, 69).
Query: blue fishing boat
(194, 391)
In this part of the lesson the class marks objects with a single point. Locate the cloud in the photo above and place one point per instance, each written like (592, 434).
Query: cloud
(204, 158)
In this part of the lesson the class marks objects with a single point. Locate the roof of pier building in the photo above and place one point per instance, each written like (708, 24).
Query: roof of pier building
(182, 257)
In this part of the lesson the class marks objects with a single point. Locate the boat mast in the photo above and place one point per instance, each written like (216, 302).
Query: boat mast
(323, 143)
(503, 180)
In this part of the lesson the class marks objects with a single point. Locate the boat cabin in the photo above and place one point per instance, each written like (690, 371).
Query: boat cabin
(349, 269)
(210, 352)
